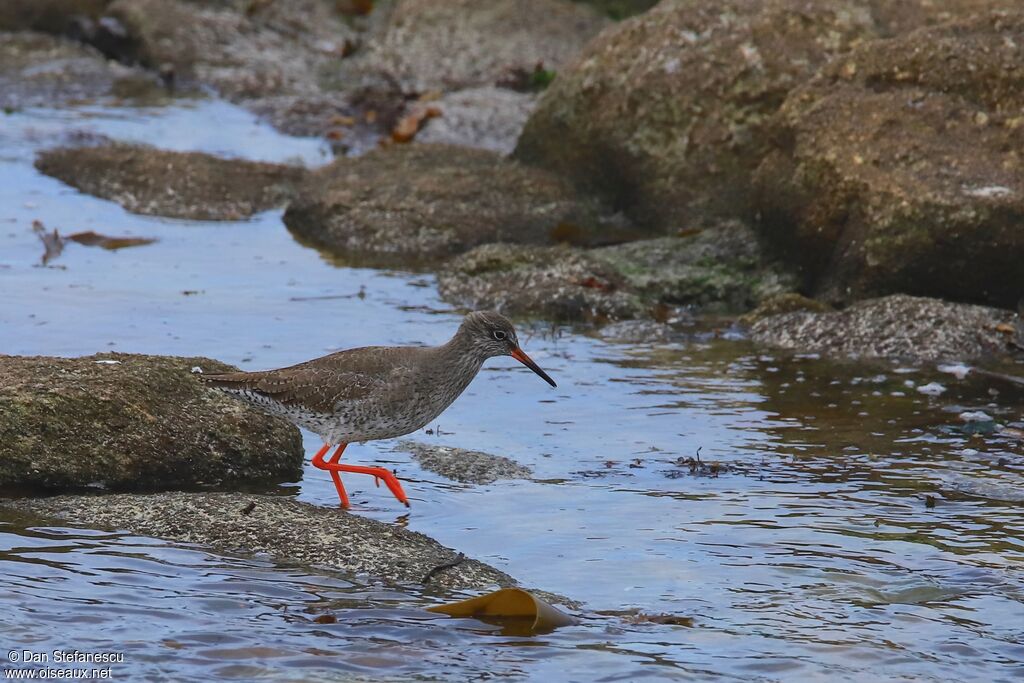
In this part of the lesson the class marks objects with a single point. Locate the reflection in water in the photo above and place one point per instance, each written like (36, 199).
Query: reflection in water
(814, 554)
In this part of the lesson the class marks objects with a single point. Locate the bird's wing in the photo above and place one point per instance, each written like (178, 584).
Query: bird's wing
(317, 384)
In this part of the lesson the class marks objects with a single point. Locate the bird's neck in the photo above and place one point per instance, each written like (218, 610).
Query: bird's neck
(460, 357)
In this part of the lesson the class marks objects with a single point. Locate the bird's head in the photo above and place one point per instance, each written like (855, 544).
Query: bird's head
(491, 334)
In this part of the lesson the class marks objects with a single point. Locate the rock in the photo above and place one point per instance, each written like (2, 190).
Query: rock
(722, 267)
(485, 118)
(38, 70)
(287, 530)
(553, 282)
(896, 18)
(788, 302)
(244, 50)
(899, 168)
(407, 204)
(177, 184)
(461, 465)
(50, 16)
(895, 326)
(133, 422)
(664, 113)
(620, 9)
(427, 45)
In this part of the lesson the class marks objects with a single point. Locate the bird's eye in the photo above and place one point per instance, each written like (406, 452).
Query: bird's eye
(500, 335)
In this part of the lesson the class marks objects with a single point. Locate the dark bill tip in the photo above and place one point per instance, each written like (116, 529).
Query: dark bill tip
(520, 356)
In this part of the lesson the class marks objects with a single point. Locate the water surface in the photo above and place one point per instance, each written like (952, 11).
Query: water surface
(814, 554)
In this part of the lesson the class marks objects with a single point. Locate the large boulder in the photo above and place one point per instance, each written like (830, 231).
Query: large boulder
(176, 184)
(421, 203)
(39, 70)
(664, 113)
(897, 326)
(899, 168)
(441, 45)
(133, 422)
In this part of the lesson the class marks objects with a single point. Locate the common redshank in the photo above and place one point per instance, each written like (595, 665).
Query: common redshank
(376, 392)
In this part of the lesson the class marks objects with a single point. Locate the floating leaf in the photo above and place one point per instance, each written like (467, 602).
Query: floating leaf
(94, 239)
(519, 612)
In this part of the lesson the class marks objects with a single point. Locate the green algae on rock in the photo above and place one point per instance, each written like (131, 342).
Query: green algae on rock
(285, 529)
(898, 326)
(464, 466)
(898, 168)
(159, 182)
(133, 422)
(721, 268)
(407, 204)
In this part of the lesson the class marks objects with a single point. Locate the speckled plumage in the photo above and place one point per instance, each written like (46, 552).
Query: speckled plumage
(375, 392)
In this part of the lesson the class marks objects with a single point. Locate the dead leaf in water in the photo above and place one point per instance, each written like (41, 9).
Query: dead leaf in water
(94, 239)
(518, 611)
(53, 244)
(410, 124)
(326, 619)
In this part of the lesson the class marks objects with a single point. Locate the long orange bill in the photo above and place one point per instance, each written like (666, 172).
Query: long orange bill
(518, 354)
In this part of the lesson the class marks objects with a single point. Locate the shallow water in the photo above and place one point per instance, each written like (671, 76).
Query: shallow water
(814, 556)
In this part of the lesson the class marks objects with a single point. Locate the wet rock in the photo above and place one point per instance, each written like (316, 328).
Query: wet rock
(50, 16)
(560, 283)
(898, 169)
(289, 531)
(427, 45)
(38, 70)
(132, 422)
(638, 332)
(895, 326)
(620, 9)
(465, 466)
(406, 204)
(722, 268)
(485, 118)
(177, 184)
(895, 18)
(788, 302)
(664, 113)
(244, 50)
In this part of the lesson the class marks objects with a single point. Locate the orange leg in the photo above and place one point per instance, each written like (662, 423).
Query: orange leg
(334, 467)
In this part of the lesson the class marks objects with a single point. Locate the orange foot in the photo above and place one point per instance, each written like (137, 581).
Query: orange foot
(334, 467)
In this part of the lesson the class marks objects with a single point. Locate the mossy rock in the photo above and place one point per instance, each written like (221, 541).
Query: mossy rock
(133, 422)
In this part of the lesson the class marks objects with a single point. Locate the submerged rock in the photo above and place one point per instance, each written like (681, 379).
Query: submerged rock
(485, 118)
(898, 169)
(722, 268)
(132, 422)
(896, 326)
(664, 113)
(554, 282)
(406, 204)
(289, 531)
(158, 182)
(38, 70)
(465, 466)
(427, 45)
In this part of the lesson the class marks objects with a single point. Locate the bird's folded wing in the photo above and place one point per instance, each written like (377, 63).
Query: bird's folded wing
(317, 389)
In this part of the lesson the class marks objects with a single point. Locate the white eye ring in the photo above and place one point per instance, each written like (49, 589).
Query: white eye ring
(499, 335)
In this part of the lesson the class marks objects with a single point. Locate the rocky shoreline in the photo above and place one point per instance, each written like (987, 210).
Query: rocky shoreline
(844, 175)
